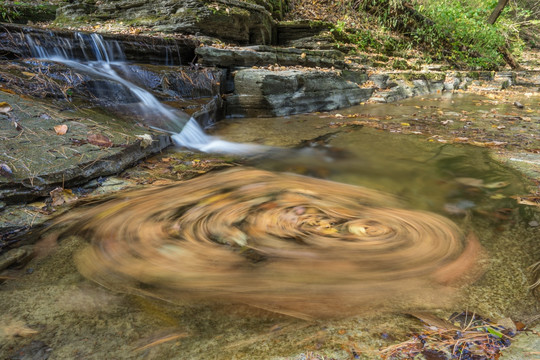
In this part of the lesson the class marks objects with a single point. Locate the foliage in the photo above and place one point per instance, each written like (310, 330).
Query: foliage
(462, 25)
(28, 10)
(452, 30)
(8, 12)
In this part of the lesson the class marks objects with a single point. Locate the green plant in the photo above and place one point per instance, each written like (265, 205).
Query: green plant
(8, 13)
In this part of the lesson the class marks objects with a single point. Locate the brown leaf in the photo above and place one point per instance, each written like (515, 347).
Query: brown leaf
(5, 107)
(433, 320)
(61, 129)
(62, 196)
(9, 91)
(99, 140)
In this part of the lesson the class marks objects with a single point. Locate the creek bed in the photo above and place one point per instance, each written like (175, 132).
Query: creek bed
(76, 318)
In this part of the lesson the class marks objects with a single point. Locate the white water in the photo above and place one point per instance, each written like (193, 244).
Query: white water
(108, 55)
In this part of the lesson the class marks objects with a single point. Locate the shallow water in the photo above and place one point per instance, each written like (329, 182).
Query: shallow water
(79, 319)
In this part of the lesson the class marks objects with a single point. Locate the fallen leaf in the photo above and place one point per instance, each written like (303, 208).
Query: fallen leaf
(61, 129)
(470, 181)
(530, 200)
(496, 185)
(433, 320)
(99, 140)
(29, 74)
(146, 140)
(5, 107)
(9, 91)
(61, 196)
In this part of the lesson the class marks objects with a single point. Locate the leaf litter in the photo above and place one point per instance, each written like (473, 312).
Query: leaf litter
(465, 336)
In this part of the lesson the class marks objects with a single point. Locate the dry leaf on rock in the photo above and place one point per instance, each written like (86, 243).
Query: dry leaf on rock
(99, 140)
(61, 196)
(146, 140)
(61, 129)
(5, 107)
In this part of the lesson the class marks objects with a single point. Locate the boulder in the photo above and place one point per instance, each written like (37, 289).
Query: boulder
(265, 93)
(230, 20)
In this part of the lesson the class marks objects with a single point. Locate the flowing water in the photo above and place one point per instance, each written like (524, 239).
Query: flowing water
(320, 243)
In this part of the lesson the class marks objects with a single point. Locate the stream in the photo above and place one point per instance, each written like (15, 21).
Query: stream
(320, 241)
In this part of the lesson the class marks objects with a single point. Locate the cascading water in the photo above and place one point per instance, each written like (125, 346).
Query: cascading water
(106, 60)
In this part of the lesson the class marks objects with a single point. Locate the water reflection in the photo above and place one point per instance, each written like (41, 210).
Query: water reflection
(287, 243)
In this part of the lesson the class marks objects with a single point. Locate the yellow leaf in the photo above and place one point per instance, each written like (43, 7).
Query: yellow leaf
(61, 129)
(5, 107)
(405, 124)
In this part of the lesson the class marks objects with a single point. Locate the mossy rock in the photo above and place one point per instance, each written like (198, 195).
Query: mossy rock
(243, 22)
(22, 13)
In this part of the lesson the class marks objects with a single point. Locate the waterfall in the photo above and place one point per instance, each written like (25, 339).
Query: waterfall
(101, 59)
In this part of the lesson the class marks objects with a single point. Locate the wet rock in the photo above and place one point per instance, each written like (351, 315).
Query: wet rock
(523, 346)
(17, 256)
(245, 23)
(42, 160)
(140, 49)
(36, 350)
(267, 93)
(268, 55)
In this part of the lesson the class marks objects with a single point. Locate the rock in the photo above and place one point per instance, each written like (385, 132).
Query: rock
(140, 49)
(267, 93)
(269, 55)
(523, 346)
(43, 159)
(398, 86)
(305, 35)
(18, 256)
(505, 79)
(36, 350)
(245, 23)
(528, 78)
(380, 80)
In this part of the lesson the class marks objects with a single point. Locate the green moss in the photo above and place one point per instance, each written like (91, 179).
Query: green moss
(400, 64)
(20, 12)
(410, 76)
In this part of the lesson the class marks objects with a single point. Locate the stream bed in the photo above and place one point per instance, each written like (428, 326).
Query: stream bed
(51, 311)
